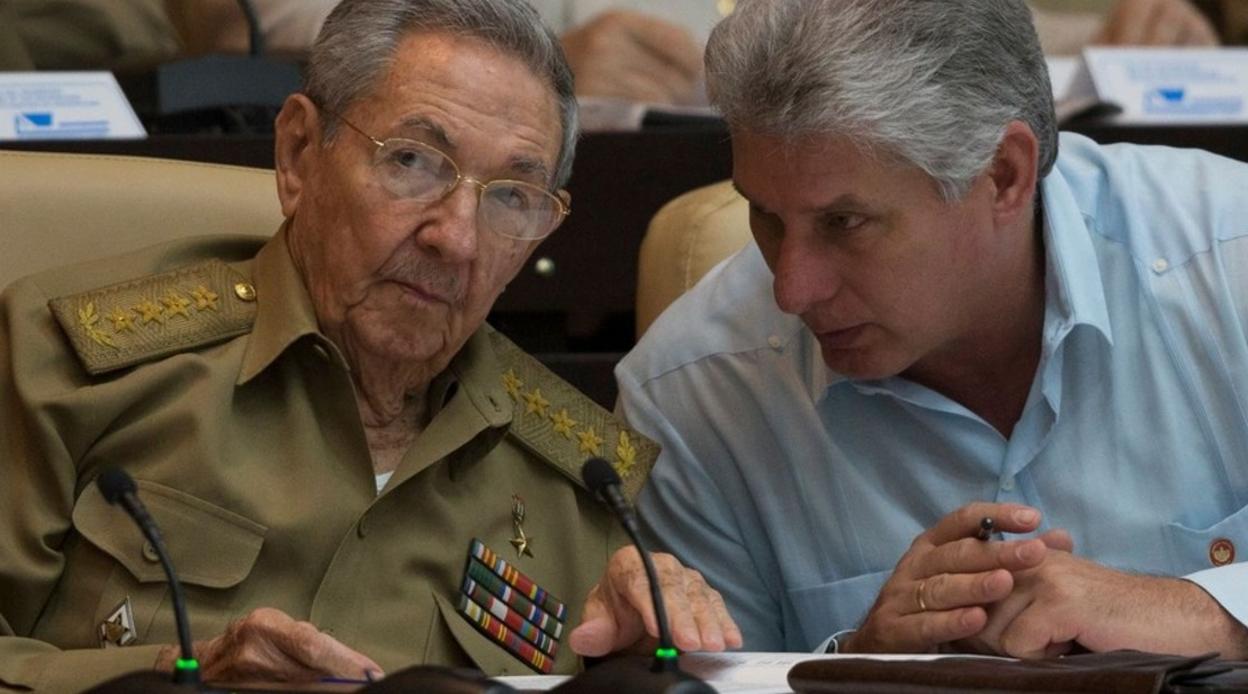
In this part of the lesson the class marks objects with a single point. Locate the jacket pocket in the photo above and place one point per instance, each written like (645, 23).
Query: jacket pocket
(488, 655)
(1193, 549)
(208, 545)
(825, 609)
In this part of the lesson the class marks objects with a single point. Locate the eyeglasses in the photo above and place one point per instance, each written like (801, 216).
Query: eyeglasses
(415, 171)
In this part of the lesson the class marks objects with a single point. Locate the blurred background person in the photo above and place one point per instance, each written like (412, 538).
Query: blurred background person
(84, 34)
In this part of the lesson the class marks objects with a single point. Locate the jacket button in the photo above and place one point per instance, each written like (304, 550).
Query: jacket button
(149, 552)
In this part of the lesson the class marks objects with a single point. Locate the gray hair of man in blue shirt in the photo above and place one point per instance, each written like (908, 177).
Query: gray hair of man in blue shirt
(933, 83)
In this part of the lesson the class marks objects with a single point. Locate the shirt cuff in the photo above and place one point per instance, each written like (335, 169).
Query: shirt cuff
(833, 643)
(1228, 585)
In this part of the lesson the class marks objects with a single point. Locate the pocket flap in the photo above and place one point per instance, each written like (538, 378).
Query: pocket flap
(208, 545)
(489, 656)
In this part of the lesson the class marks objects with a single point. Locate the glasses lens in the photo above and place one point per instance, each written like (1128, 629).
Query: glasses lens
(519, 210)
(413, 170)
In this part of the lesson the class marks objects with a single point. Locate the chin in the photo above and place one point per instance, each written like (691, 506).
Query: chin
(862, 364)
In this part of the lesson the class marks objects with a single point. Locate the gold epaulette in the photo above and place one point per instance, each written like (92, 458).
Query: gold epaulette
(560, 424)
(140, 320)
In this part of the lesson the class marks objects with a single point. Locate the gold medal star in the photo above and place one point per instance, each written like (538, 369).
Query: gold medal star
(150, 312)
(512, 384)
(176, 305)
(205, 299)
(521, 543)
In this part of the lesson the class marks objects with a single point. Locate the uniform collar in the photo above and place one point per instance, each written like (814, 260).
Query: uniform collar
(284, 311)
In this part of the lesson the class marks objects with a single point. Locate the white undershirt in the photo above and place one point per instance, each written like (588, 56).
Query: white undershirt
(382, 479)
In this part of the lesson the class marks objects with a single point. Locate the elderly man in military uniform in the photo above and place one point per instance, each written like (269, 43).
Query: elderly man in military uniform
(352, 471)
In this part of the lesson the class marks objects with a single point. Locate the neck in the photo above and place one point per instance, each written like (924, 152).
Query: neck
(990, 369)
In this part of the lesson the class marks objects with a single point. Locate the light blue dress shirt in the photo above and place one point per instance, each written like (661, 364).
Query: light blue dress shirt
(795, 491)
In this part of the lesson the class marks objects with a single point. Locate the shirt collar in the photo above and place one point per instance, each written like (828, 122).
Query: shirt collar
(284, 311)
(1074, 292)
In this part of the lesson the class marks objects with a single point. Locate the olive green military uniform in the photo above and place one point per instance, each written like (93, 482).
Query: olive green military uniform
(207, 380)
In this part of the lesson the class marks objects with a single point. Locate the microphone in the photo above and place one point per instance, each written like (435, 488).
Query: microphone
(623, 673)
(118, 487)
(255, 37)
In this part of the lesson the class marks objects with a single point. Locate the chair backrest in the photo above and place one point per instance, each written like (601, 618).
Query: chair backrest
(57, 209)
(688, 236)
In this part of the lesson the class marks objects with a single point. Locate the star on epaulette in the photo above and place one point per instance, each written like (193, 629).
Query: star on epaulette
(141, 314)
(564, 427)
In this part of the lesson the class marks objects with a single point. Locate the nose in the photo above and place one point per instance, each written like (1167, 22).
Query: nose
(804, 277)
(452, 231)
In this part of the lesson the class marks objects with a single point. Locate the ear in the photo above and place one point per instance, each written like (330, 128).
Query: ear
(297, 144)
(1014, 174)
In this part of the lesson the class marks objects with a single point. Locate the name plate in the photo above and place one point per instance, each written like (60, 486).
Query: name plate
(1170, 85)
(65, 105)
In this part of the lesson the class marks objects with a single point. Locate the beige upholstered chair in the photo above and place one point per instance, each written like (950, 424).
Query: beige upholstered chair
(689, 236)
(57, 209)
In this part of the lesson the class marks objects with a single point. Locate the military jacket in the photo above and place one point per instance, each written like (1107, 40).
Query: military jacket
(207, 380)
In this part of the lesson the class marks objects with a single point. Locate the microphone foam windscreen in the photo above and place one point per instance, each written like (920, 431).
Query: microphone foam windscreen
(113, 483)
(598, 474)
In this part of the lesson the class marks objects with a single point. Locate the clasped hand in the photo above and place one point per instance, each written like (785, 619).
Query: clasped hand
(1033, 598)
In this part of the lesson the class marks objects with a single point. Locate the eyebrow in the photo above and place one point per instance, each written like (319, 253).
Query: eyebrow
(518, 165)
(838, 204)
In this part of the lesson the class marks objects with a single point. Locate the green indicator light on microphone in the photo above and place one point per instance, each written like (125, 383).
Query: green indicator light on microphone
(666, 653)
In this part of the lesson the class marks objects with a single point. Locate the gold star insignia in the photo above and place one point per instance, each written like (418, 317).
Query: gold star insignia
(591, 442)
(626, 456)
(205, 299)
(150, 312)
(122, 322)
(563, 424)
(512, 384)
(536, 403)
(520, 541)
(176, 305)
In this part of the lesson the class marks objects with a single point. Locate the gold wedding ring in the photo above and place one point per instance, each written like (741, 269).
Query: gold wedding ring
(918, 595)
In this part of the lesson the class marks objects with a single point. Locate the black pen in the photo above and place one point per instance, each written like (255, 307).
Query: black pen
(986, 526)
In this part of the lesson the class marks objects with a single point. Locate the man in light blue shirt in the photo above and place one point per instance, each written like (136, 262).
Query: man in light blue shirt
(941, 321)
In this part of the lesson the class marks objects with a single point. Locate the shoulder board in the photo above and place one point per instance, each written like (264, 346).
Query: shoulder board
(564, 427)
(152, 317)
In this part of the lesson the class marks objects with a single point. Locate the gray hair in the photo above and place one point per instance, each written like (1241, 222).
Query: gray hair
(932, 82)
(358, 41)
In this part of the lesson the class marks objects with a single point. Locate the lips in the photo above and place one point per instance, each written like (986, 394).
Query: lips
(425, 294)
(843, 338)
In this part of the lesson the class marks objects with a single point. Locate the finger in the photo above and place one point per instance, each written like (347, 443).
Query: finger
(705, 614)
(596, 634)
(732, 633)
(1167, 26)
(1036, 632)
(964, 522)
(973, 556)
(677, 601)
(669, 43)
(949, 591)
(920, 633)
(1058, 540)
(319, 652)
(623, 69)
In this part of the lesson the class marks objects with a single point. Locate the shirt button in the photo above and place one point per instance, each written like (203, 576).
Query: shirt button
(774, 341)
(1160, 265)
(1007, 484)
(149, 552)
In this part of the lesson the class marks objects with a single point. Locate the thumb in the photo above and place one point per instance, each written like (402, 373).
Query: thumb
(597, 632)
(1058, 539)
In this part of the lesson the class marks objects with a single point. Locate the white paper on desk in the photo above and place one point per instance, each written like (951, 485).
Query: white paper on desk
(602, 114)
(1155, 86)
(65, 105)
